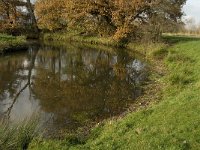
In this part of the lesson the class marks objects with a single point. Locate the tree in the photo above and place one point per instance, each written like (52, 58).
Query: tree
(32, 15)
(15, 14)
(50, 14)
(121, 18)
(117, 17)
(8, 14)
(166, 16)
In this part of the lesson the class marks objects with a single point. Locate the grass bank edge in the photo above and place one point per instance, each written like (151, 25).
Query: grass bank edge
(11, 42)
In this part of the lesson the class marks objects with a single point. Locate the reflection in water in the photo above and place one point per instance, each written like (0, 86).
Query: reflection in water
(70, 86)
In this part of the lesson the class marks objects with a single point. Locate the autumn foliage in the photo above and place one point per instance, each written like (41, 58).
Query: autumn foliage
(15, 15)
(50, 14)
(122, 20)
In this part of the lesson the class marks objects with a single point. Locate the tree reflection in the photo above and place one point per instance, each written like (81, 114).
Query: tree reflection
(84, 84)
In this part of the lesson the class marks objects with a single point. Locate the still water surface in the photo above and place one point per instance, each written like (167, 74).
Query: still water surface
(69, 85)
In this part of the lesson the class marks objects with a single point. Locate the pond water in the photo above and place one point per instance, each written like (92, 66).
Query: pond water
(70, 86)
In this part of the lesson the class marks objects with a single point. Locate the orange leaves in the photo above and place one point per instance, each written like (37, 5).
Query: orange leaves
(116, 18)
(126, 16)
(50, 14)
(9, 16)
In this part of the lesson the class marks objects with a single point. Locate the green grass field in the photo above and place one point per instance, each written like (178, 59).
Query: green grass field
(173, 123)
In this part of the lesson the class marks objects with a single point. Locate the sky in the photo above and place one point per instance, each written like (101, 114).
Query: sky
(192, 10)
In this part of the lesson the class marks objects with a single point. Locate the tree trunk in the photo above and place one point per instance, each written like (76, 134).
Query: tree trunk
(32, 15)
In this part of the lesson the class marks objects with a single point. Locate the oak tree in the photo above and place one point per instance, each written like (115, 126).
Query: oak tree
(121, 18)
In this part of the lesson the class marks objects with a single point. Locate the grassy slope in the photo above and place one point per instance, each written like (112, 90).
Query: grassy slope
(171, 124)
(8, 41)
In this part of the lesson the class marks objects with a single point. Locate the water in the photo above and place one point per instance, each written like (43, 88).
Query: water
(71, 86)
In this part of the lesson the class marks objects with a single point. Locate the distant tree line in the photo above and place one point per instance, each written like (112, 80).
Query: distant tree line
(190, 27)
(119, 19)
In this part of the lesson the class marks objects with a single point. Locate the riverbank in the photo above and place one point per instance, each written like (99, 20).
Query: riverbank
(78, 37)
(11, 43)
(171, 122)
(147, 48)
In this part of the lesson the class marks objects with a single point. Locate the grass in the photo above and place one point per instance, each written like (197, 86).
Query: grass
(184, 34)
(172, 123)
(148, 49)
(18, 136)
(61, 37)
(9, 41)
(77, 37)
